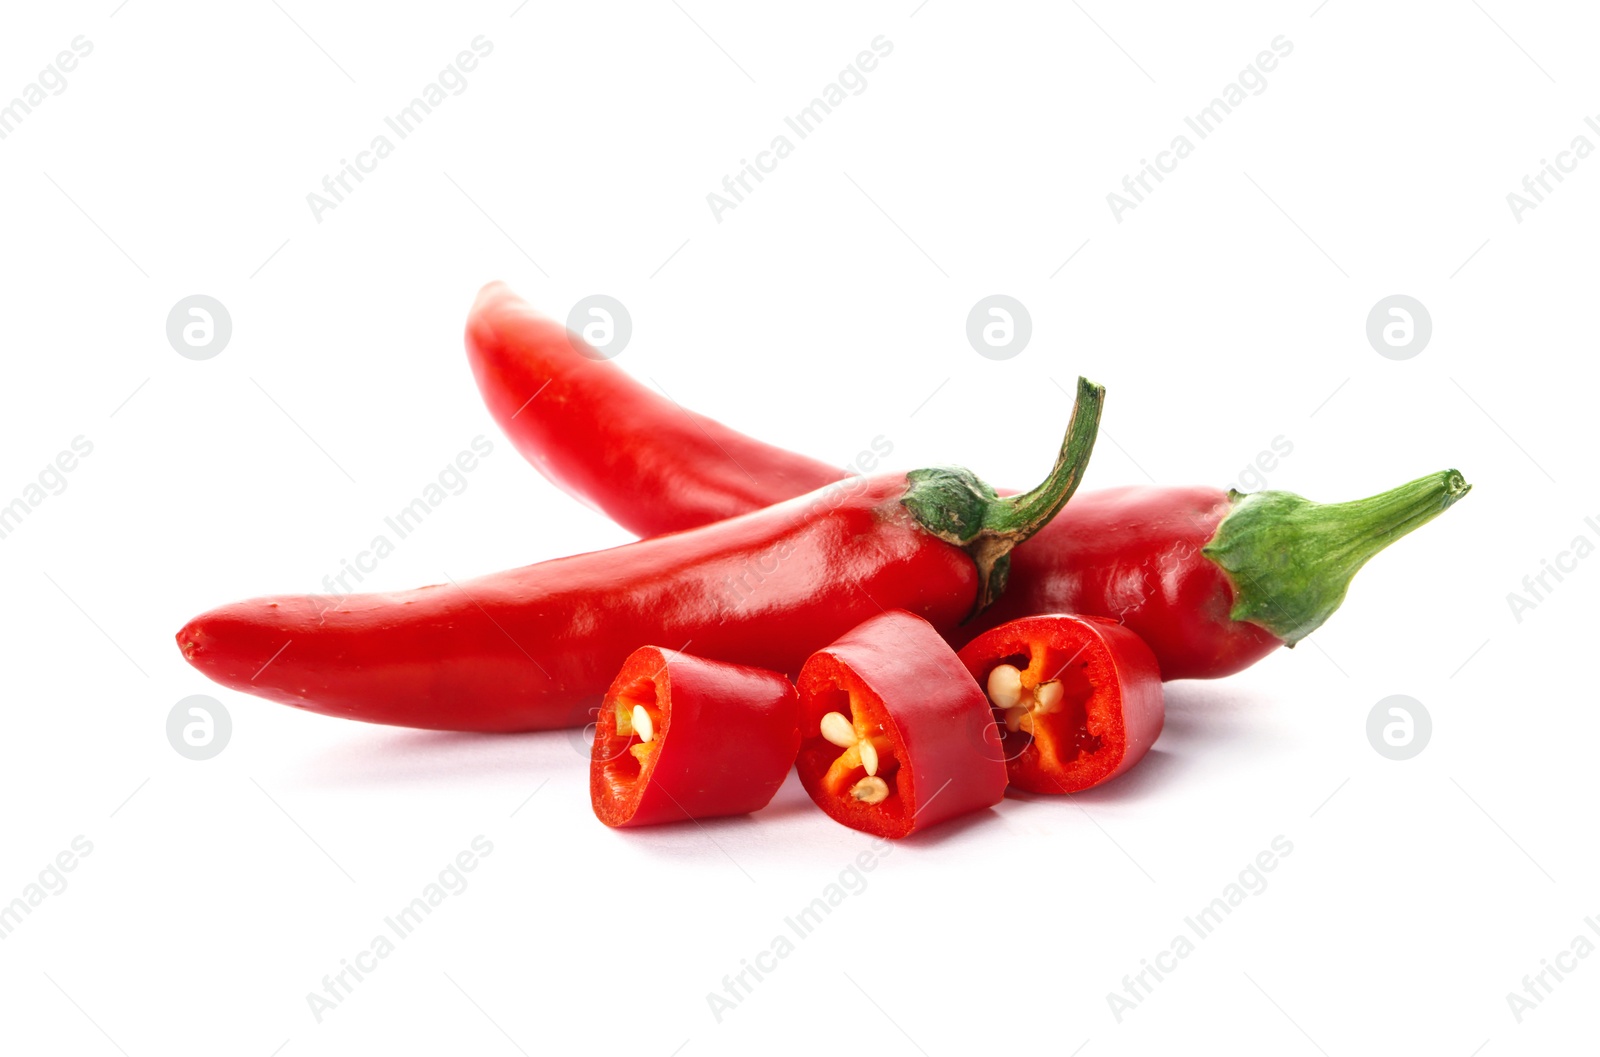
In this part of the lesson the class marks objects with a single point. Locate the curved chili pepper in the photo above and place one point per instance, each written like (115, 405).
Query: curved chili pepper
(1078, 699)
(681, 737)
(535, 648)
(895, 735)
(1212, 580)
(577, 417)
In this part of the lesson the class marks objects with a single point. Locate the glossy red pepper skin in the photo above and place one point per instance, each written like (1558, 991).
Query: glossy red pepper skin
(535, 648)
(578, 418)
(725, 739)
(1134, 555)
(943, 756)
(1112, 711)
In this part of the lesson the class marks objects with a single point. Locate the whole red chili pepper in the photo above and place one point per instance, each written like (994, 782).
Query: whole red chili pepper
(681, 737)
(535, 648)
(1212, 580)
(1078, 698)
(895, 735)
(578, 418)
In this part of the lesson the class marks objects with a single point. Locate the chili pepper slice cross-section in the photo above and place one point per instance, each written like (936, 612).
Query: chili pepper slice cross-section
(1078, 699)
(895, 735)
(681, 737)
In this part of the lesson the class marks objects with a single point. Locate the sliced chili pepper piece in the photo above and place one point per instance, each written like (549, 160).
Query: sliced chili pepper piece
(1078, 699)
(895, 736)
(681, 737)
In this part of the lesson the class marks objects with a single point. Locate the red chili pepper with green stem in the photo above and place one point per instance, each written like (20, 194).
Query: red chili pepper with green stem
(1212, 580)
(535, 648)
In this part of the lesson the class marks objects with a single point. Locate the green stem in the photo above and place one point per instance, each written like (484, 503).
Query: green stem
(960, 508)
(1291, 560)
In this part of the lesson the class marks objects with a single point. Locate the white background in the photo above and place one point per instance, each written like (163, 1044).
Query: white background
(1225, 311)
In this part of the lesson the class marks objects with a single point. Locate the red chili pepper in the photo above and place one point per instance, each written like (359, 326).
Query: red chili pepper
(578, 418)
(681, 737)
(1078, 698)
(535, 648)
(1212, 580)
(895, 735)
